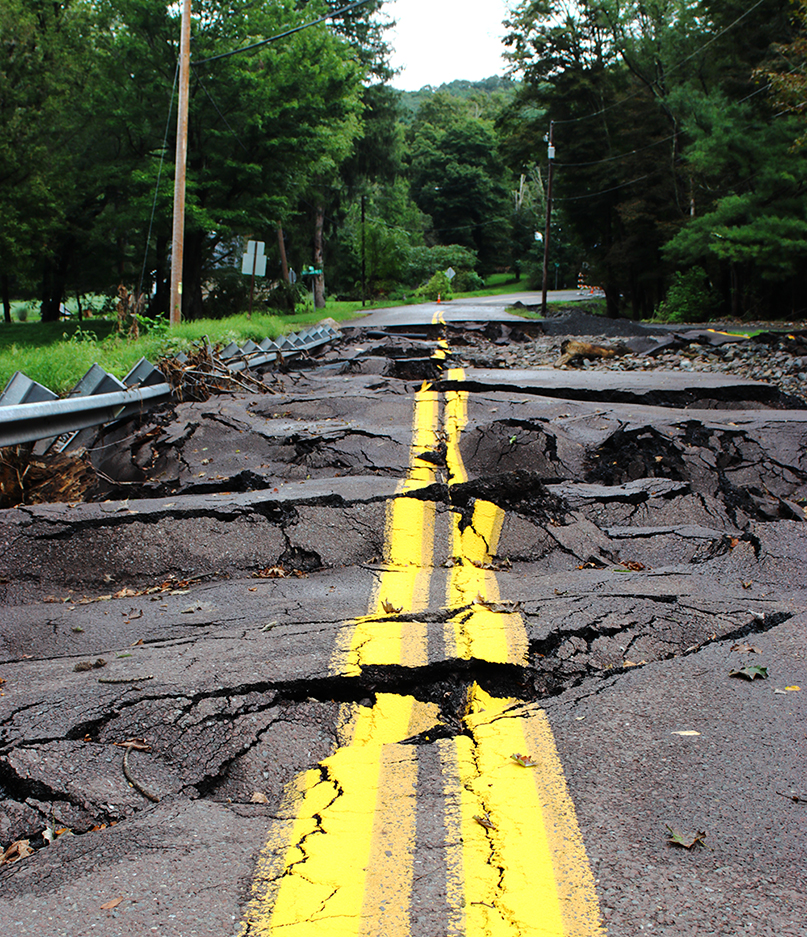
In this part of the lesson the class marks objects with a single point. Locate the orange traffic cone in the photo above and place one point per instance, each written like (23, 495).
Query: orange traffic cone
(438, 297)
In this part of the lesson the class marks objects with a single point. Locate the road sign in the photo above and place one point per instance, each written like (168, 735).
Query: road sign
(451, 273)
(253, 262)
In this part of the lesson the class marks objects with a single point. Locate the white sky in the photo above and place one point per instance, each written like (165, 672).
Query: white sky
(436, 41)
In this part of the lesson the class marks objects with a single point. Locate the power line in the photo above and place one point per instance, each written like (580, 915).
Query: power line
(577, 198)
(575, 120)
(159, 174)
(610, 159)
(288, 32)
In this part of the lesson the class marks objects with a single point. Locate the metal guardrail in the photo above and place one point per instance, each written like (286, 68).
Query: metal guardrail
(30, 412)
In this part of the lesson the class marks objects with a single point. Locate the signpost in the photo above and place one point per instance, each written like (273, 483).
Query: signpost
(254, 263)
(311, 272)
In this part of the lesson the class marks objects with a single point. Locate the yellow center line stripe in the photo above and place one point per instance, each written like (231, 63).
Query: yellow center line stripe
(525, 870)
(325, 884)
(520, 872)
(404, 585)
(482, 634)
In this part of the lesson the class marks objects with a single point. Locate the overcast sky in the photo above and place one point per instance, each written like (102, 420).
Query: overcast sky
(439, 40)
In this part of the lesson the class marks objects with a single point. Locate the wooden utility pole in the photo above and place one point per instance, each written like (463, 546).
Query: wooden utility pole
(281, 246)
(363, 267)
(551, 159)
(178, 238)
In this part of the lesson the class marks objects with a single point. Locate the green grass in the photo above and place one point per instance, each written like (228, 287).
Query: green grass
(591, 307)
(58, 354)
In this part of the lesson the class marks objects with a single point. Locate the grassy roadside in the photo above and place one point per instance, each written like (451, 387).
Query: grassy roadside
(58, 354)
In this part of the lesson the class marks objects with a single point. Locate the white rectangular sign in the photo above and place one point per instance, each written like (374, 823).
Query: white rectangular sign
(247, 260)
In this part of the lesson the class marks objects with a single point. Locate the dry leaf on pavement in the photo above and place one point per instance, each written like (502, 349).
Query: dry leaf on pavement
(19, 849)
(109, 905)
(687, 840)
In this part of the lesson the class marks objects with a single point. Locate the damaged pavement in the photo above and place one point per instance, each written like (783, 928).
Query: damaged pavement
(274, 672)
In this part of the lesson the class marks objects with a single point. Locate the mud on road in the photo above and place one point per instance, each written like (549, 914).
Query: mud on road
(597, 550)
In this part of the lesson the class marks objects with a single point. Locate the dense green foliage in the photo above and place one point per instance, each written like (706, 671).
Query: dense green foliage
(678, 126)
(672, 148)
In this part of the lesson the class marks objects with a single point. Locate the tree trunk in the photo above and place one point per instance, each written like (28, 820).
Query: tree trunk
(319, 279)
(611, 301)
(192, 262)
(6, 290)
(281, 246)
(159, 302)
(53, 282)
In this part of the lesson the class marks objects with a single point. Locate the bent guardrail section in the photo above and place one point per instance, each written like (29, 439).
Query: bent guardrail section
(30, 412)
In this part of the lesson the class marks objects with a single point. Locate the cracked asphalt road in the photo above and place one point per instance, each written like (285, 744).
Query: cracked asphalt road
(333, 613)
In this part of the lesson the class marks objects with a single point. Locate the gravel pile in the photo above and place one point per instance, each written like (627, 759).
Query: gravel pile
(777, 357)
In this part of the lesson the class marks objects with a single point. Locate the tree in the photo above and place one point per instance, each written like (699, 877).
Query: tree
(47, 74)
(459, 179)
(623, 79)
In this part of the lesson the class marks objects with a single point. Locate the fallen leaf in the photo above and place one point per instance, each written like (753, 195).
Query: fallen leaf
(524, 760)
(745, 584)
(794, 797)
(109, 905)
(790, 689)
(259, 798)
(137, 642)
(125, 593)
(745, 649)
(252, 588)
(77, 629)
(751, 673)
(271, 572)
(687, 840)
(485, 821)
(389, 608)
(634, 566)
(19, 849)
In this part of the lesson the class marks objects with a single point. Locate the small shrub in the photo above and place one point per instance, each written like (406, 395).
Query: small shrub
(285, 297)
(23, 311)
(438, 286)
(466, 281)
(690, 298)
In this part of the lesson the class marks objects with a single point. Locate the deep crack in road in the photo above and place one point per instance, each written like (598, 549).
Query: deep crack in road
(334, 613)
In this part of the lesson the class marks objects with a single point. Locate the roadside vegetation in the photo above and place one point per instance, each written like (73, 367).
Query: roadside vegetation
(58, 354)
(680, 170)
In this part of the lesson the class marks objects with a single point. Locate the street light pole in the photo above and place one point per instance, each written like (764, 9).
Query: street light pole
(178, 236)
(551, 160)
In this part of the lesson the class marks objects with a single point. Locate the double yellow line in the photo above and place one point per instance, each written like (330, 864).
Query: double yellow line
(341, 860)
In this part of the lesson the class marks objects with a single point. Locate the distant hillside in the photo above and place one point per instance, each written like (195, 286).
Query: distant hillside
(459, 88)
